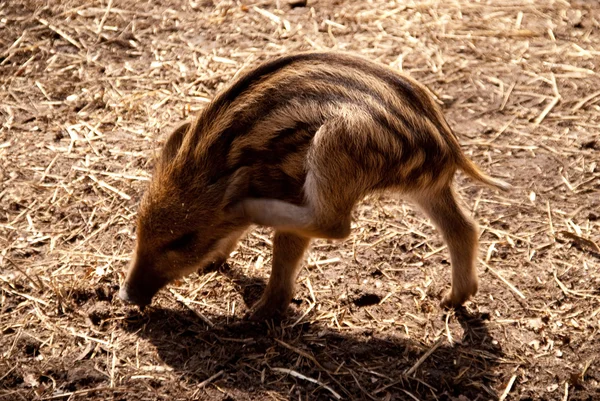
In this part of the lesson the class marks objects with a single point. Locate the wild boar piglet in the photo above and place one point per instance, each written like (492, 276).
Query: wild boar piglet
(294, 144)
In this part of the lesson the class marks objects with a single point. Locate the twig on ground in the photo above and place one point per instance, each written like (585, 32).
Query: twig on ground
(508, 388)
(505, 281)
(426, 355)
(187, 303)
(310, 379)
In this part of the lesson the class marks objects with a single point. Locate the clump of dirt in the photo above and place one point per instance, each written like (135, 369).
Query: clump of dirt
(83, 374)
(366, 300)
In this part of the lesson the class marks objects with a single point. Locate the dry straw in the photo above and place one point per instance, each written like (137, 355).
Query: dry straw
(88, 91)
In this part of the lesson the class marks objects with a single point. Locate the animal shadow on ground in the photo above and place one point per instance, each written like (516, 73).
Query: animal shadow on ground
(240, 360)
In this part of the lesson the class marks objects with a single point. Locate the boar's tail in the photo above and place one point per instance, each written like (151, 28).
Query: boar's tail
(436, 116)
(470, 169)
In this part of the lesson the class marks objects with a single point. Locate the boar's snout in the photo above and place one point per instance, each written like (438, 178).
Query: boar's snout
(141, 284)
(133, 297)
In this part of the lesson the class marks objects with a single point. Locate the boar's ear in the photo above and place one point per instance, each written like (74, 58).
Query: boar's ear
(237, 187)
(174, 142)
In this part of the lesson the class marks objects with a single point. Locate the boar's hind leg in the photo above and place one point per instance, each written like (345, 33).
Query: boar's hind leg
(288, 250)
(460, 234)
(303, 220)
(333, 185)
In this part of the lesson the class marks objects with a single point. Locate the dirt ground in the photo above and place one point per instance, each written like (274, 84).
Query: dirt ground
(88, 91)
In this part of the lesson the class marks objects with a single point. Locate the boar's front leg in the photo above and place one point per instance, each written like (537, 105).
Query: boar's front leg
(288, 250)
(225, 247)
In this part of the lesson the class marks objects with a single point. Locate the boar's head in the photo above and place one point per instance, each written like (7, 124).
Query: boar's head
(183, 222)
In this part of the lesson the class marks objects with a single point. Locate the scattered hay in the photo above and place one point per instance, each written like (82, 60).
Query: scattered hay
(88, 91)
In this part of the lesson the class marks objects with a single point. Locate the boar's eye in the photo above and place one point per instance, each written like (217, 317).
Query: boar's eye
(182, 242)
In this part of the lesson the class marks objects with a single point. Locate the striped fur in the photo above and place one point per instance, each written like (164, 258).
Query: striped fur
(293, 144)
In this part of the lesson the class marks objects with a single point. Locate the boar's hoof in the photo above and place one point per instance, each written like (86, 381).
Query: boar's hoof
(453, 301)
(263, 312)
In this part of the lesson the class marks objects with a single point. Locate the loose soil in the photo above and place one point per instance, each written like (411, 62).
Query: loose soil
(88, 92)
